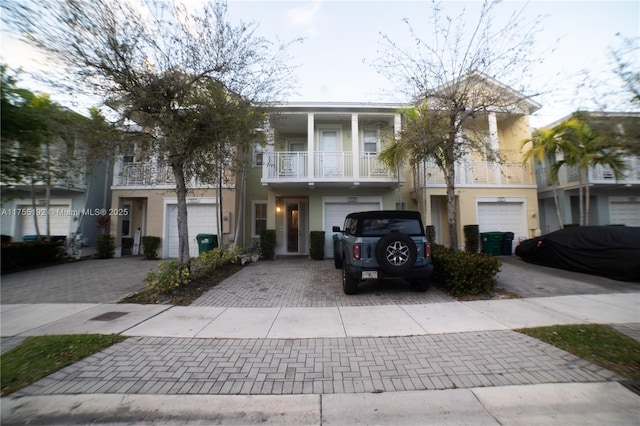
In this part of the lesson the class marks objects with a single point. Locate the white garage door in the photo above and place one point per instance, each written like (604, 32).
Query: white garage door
(624, 213)
(59, 221)
(502, 217)
(201, 219)
(334, 214)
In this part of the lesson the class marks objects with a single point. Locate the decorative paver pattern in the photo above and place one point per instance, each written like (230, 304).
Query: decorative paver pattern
(307, 283)
(85, 281)
(301, 366)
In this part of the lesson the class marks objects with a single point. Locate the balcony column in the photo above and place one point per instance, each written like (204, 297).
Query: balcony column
(117, 172)
(311, 146)
(268, 157)
(355, 147)
(495, 144)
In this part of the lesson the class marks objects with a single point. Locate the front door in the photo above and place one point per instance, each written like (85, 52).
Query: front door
(296, 226)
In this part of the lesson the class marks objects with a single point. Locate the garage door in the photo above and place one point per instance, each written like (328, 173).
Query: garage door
(503, 217)
(334, 214)
(624, 213)
(59, 221)
(201, 219)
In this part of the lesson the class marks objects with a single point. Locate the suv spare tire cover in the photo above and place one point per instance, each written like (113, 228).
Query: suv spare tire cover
(396, 253)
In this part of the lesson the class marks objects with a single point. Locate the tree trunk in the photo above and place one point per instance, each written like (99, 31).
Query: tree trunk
(183, 229)
(555, 198)
(587, 201)
(48, 207)
(241, 205)
(450, 178)
(33, 204)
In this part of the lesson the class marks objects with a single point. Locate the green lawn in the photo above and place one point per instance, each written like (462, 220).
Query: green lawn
(599, 344)
(40, 356)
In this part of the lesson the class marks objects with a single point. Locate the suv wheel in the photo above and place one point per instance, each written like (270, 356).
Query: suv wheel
(337, 259)
(396, 253)
(349, 284)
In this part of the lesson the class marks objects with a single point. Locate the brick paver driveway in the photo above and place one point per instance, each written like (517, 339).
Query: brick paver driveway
(299, 282)
(86, 281)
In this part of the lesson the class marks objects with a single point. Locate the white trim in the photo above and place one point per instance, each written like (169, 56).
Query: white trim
(361, 139)
(253, 216)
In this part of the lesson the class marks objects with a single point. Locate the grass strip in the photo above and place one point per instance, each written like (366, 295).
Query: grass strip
(40, 356)
(596, 343)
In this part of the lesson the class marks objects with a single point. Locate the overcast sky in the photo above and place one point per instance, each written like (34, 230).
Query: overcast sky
(342, 39)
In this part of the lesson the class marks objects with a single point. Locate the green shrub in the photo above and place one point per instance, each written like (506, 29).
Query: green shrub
(211, 259)
(150, 246)
(168, 278)
(430, 231)
(15, 256)
(471, 238)
(105, 246)
(316, 247)
(268, 243)
(463, 273)
(5, 239)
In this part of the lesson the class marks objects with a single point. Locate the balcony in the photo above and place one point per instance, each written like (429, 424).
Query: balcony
(482, 173)
(598, 175)
(144, 175)
(332, 167)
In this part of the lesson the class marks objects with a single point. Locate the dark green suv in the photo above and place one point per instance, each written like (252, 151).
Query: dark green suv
(383, 244)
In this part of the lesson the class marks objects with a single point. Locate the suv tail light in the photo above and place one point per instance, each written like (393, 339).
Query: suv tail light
(427, 249)
(356, 251)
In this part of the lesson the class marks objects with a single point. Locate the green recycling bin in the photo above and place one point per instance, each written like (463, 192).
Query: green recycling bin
(206, 242)
(491, 243)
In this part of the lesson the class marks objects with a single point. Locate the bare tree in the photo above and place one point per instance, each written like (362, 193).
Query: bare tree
(462, 69)
(190, 79)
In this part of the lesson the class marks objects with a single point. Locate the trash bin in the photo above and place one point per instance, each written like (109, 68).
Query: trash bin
(206, 242)
(507, 243)
(30, 239)
(491, 243)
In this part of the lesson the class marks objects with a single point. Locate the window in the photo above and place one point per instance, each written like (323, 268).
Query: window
(401, 205)
(258, 152)
(259, 222)
(370, 141)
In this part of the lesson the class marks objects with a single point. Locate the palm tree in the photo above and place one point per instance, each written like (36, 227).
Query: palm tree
(579, 146)
(584, 148)
(544, 144)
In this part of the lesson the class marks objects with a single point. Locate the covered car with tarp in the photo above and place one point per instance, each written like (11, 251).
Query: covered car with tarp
(610, 251)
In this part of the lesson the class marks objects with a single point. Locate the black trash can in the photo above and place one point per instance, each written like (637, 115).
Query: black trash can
(507, 243)
(206, 242)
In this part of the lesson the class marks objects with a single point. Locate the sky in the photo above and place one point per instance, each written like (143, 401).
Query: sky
(341, 40)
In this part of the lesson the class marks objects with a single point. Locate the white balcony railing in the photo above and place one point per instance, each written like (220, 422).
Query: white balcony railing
(290, 166)
(569, 176)
(147, 174)
(482, 173)
(336, 164)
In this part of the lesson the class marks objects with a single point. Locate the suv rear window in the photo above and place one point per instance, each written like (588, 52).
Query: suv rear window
(378, 227)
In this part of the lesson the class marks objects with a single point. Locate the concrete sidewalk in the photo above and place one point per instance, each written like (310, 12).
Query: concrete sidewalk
(556, 404)
(320, 322)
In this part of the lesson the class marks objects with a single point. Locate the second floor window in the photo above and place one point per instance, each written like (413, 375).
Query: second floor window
(370, 141)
